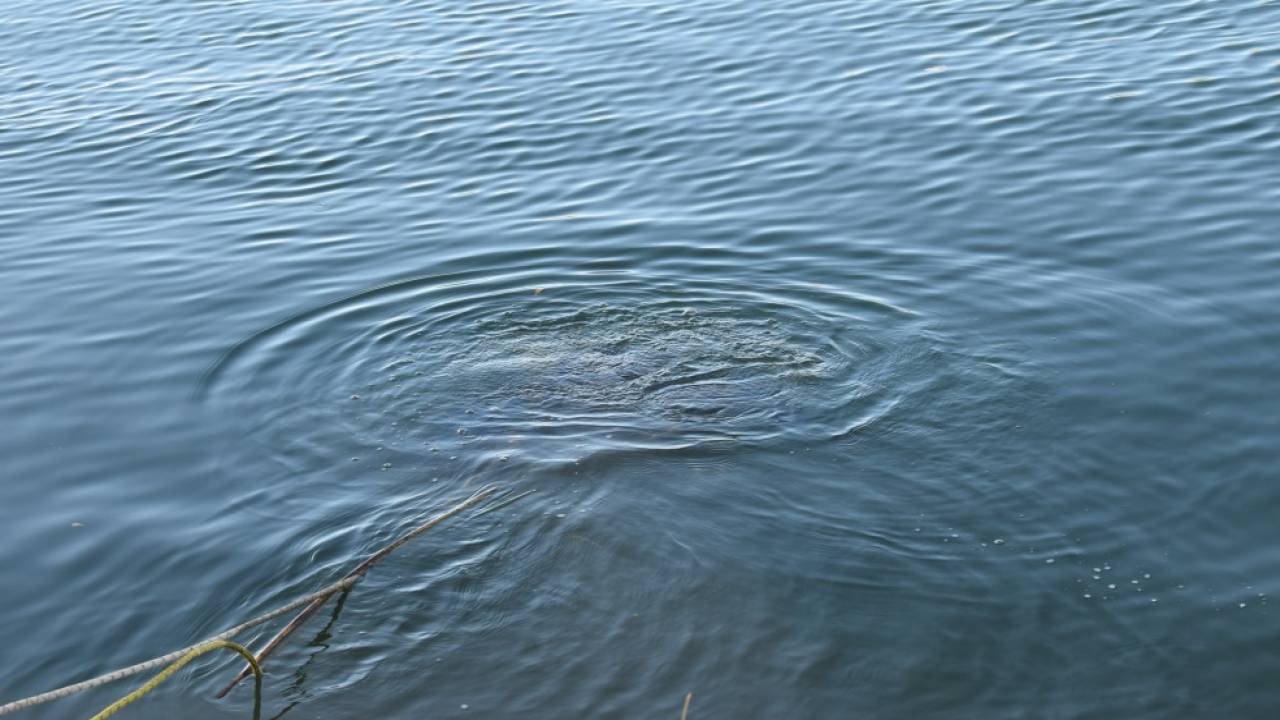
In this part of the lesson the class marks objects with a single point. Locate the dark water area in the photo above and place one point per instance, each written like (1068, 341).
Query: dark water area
(877, 360)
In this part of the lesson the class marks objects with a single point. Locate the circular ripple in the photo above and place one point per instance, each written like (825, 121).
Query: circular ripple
(520, 363)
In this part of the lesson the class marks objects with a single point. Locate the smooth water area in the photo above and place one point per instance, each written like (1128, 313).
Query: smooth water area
(866, 359)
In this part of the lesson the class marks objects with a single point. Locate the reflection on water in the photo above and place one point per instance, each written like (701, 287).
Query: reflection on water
(876, 360)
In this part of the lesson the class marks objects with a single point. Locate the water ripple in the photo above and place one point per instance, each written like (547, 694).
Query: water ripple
(538, 358)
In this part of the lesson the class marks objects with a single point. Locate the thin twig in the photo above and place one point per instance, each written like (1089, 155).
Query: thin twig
(481, 495)
(684, 712)
(503, 503)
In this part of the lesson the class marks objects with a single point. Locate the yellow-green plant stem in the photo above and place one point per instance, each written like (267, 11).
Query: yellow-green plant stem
(182, 662)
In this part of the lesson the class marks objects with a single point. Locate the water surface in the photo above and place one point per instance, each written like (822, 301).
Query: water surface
(886, 360)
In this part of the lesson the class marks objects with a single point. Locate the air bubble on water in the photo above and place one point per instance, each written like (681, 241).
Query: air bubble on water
(998, 541)
(1133, 582)
(1106, 567)
(1244, 605)
(1146, 575)
(1049, 561)
(1097, 570)
(1087, 596)
(1155, 600)
(386, 466)
(1097, 577)
(1111, 586)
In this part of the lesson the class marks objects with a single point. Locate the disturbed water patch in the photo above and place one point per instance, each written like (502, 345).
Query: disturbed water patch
(516, 363)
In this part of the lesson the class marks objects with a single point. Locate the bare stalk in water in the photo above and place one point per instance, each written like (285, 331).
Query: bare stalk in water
(306, 612)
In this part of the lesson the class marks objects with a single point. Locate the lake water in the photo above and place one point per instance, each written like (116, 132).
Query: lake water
(866, 359)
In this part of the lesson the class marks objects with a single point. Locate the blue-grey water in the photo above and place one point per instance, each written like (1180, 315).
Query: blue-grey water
(866, 359)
